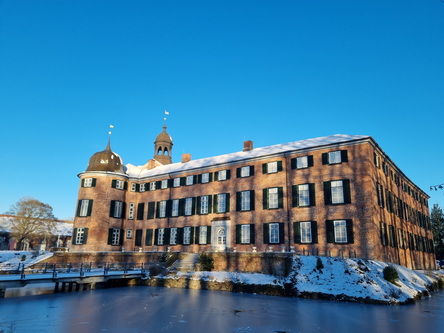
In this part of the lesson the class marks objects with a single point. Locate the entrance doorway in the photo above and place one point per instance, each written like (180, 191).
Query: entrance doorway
(220, 232)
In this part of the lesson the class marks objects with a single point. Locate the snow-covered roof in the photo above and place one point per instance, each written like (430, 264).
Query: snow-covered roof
(141, 172)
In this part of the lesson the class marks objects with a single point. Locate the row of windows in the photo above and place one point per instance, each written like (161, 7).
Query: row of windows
(404, 239)
(305, 232)
(395, 205)
(397, 180)
(303, 195)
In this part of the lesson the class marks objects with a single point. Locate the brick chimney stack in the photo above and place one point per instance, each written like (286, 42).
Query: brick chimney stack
(186, 158)
(248, 145)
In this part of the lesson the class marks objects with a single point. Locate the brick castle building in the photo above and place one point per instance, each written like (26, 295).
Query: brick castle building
(338, 195)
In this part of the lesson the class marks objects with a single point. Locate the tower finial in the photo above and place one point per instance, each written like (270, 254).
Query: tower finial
(165, 119)
(108, 147)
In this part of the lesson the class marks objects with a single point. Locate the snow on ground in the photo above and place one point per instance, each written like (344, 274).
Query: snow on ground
(353, 278)
(10, 260)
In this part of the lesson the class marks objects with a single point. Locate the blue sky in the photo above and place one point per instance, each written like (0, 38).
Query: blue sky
(227, 71)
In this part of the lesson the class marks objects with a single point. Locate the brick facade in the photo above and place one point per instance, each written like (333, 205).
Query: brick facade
(339, 197)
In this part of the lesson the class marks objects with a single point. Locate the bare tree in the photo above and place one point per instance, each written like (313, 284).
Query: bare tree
(33, 220)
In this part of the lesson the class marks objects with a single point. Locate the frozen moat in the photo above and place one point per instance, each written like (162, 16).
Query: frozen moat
(150, 309)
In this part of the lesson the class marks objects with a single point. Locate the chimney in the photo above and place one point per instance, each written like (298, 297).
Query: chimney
(186, 158)
(248, 145)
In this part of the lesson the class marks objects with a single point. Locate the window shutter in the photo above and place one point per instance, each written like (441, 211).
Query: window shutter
(183, 181)
(294, 196)
(344, 156)
(228, 173)
(346, 187)
(193, 206)
(310, 160)
(182, 207)
(227, 198)
(157, 209)
(208, 235)
(166, 236)
(111, 208)
(297, 232)
(210, 203)
(210, 177)
(350, 236)
(79, 205)
(137, 189)
(170, 183)
(192, 234)
(199, 205)
(238, 172)
(156, 236)
(114, 183)
(238, 201)
(179, 236)
(140, 210)
(138, 241)
(280, 197)
(199, 179)
(90, 205)
(216, 176)
(265, 198)
(325, 158)
(151, 207)
(293, 163)
(330, 231)
(266, 233)
(123, 210)
(110, 236)
(264, 168)
(122, 232)
(252, 233)
(149, 237)
(83, 182)
(252, 205)
(281, 233)
(314, 231)
(74, 236)
(279, 166)
(327, 193)
(238, 233)
(169, 208)
(125, 185)
(85, 235)
(251, 170)
(311, 188)
(216, 204)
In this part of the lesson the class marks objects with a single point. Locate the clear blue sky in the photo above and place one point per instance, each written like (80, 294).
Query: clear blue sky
(227, 71)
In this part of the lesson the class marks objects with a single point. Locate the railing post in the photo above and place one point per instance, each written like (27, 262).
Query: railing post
(22, 275)
(54, 271)
(46, 267)
(82, 273)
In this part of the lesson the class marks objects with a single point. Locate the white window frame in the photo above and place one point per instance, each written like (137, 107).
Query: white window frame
(133, 187)
(306, 234)
(176, 182)
(162, 208)
(87, 182)
(164, 184)
(245, 200)
(303, 195)
(115, 240)
(222, 203)
(204, 201)
(175, 208)
(245, 171)
(80, 236)
(129, 233)
(334, 157)
(340, 229)
(118, 205)
(84, 205)
(142, 187)
(188, 206)
(189, 180)
(222, 175)
(160, 236)
(131, 211)
(120, 184)
(187, 235)
(205, 178)
(245, 234)
(273, 198)
(337, 192)
(202, 235)
(273, 233)
(173, 236)
(272, 167)
(152, 186)
(302, 162)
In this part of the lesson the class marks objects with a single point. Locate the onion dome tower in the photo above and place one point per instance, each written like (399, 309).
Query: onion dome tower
(106, 160)
(163, 147)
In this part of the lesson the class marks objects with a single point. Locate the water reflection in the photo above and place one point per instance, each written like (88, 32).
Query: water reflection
(146, 309)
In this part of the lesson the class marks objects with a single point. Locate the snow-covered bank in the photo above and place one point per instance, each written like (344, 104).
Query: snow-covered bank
(355, 280)
(10, 260)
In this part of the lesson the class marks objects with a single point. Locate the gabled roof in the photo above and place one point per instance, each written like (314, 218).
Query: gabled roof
(140, 172)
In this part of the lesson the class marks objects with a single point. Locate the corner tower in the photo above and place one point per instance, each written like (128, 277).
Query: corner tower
(163, 147)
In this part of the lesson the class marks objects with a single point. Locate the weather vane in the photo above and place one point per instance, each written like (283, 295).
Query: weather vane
(110, 126)
(165, 119)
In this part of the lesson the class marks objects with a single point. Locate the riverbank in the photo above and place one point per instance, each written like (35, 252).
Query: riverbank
(330, 278)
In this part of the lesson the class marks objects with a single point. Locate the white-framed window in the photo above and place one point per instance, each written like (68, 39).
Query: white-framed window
(175, 208)
(204, 204)
(117, 212)
(164, 184)
(202, 235)
(337, 192)
(189, 180)
(245, 171)
(274, 233)
(245, 234)
(80, 236)
(87, 182)
(131, 211)
(152, 186)
(173, 236)
(334, 157)
(245, 200)
(129, 233)
(303, 195)
(188, 206)
(187, 235)
(306, 236)
(205, 178)
(162, 208)
(115, 240)
(222, 203)
(160, 236)
(120, 184)
(222, 175)
(142, 187)
(302, 162)
(84, 205)
(176, 182)
(340, 228)
(272, 167)
(273, 198)
(133, 187)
